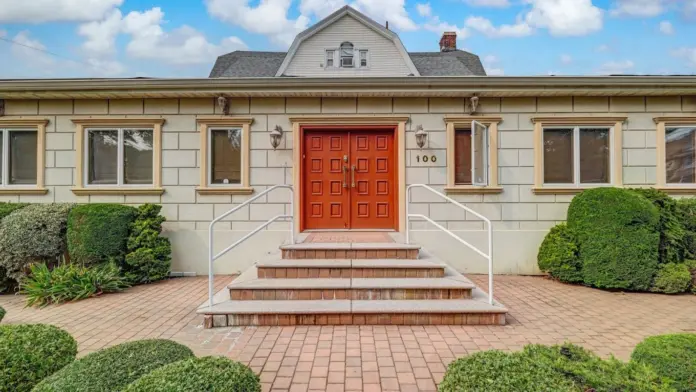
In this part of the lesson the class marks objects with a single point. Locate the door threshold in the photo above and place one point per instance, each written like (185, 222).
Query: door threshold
(349, 230)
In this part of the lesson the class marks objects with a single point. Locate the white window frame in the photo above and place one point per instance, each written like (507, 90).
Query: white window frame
(474, 125)
(119, 158)
(664, 163)
(341, 57)
(242, 157)
(5, 174)
(367, 58)
(330, 54)
(576, 157)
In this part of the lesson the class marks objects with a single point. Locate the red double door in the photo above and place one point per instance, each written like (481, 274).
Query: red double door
(349, 179)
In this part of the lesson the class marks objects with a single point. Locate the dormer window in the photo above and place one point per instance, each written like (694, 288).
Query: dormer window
(346, 52)
(363, 59)
(330, 58)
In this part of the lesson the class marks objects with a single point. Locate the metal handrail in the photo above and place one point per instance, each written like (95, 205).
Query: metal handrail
(488, 256)
(212, 257)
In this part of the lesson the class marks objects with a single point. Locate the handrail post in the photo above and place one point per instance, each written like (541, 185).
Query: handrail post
(408, 217)
(211, 277)
(490, 263)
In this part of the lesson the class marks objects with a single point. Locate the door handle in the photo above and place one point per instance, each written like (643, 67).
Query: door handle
(352, 177)
(345, 175)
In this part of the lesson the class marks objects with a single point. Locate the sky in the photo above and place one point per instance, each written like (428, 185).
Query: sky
(182, 38)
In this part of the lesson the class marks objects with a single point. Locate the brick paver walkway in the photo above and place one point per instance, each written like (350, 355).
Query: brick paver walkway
(368, 358)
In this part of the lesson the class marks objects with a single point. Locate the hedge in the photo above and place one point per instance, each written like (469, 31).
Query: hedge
(618, 237)
(199, 374)
(98, 233)
(114, 368)
(2, 313)
(671, 356)
(7, 208)
(691, 265)
(672, 278)
(31, 352)
(686, 209)
(672, 233)
(558, 255)
(149, 253)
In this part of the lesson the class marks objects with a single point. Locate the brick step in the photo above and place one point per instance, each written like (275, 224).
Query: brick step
(345, 312)
(349, 268)
(350, 251)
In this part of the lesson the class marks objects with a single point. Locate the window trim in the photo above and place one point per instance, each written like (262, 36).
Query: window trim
(341, 56)
(367, 59)
(205, 125)
(616, 162)
(661, 146)
(83, 125)
(120, 158)
(457, 121)
(333, 58)
(30, 124)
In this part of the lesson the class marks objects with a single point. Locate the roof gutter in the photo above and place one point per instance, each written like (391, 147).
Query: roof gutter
(491, 86)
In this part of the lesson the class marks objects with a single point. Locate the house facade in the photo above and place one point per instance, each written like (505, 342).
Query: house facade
(350, 119)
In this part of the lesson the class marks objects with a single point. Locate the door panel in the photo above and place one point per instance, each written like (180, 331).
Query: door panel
(373, 171)
(326, 195)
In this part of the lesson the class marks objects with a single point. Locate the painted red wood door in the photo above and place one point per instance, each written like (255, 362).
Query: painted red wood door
(372, 169)
(326, 188)
(349, 180)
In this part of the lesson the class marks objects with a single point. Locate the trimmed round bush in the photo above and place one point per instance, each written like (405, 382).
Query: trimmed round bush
(98, 233)
(558, 255)
(672, 231)
(686, 212)
(618, 237)
(498, 371)
(672, 278)
(671, 356)
(199, 374)
(31, 352)
(114, 368)
(149, 253)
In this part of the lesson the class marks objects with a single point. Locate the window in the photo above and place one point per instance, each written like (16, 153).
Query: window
(472, 158)
(120, 157)
(680, 155)
(577, 155)
(346, 52)
(363, 59)
(226, 156)
(330, 58)
(18, 157)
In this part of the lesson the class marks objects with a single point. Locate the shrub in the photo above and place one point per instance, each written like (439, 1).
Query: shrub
(70, 282)
(8, 208)
(199, 374)
(2, 313)
(149, 254)
(691, 265)
(618, 238)
(558, 255)
(671, 356)
(672, 232)
(497, 371)
(31, 352)
(687, 215)
(114, 368)
(35, 233)
(97, 233)
(672, 278)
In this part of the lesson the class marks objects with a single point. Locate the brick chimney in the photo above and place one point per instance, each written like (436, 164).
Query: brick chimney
(448, 42)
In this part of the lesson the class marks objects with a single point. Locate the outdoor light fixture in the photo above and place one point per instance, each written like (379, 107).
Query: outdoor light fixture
(224, 105)
(421, 136)
(276, 136)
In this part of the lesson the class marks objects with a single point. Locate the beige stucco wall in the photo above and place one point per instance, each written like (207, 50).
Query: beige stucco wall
(520, 218)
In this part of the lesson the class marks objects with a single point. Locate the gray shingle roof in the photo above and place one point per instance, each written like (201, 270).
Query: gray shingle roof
(246, 64)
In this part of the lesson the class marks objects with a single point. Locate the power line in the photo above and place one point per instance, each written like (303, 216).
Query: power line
(11, 41)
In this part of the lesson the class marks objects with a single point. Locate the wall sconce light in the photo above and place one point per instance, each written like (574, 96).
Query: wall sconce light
(276, 136)
(421, 136)
(224, 105)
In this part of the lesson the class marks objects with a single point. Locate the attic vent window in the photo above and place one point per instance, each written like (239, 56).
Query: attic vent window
(363, 59)
(346, 52)
(329, 58)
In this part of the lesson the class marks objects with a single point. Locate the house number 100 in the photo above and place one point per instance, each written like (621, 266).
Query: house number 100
(426, 158)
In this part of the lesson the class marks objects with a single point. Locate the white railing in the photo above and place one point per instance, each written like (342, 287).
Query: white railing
(212, 257)
(488, 256)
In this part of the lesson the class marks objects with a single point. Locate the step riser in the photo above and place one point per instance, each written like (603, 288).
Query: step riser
(354, 319)
(351, 254)
(342, 294)
(303, 273)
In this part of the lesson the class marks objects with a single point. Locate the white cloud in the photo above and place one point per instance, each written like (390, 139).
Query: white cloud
(320, 8)
(638, 8)
(101, 35)
(38, 11)
(689, 54)
(488, 3)
(492, 65)
(106, 68)
(566, 59)
(666, 27)
(615, 67)
(604, 48)
(269, 18)
(424, 9)
(484, 26)
(437, 26)
(565, 17)
(30, 51)
(690, 9)
(382, 11)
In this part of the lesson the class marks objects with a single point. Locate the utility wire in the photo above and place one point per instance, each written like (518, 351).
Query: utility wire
(11, 41)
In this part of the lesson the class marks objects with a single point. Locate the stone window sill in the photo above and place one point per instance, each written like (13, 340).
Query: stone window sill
(677, 190)
(224, 191)
(23, 191)
(547, 190)
(473, 190)
(118, 191)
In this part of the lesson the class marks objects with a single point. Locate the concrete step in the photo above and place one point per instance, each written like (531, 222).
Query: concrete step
(349, 268)
(377, 250)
